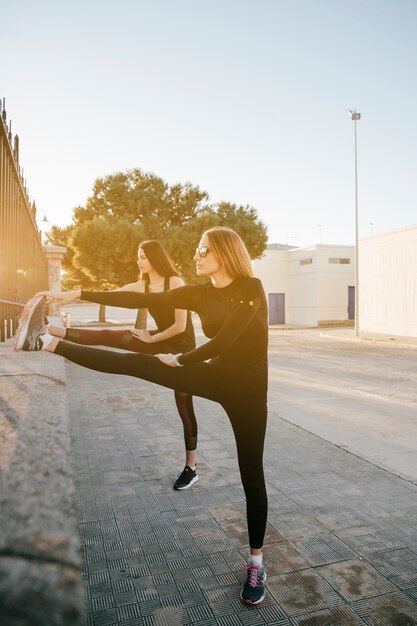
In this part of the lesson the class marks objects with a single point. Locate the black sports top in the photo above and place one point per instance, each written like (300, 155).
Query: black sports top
(233, 317)
(164, 317)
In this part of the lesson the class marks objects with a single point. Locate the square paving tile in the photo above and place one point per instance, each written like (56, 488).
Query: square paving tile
(355, 579)
(338, 616)
(324, 548)
(303, 592)
(388, 610)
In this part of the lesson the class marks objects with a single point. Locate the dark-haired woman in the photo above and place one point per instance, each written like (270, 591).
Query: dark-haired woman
(230, 369)
(175, 333)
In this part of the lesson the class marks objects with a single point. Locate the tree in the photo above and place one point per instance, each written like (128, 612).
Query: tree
(131, 206)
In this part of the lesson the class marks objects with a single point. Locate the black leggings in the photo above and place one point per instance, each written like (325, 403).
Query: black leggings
(127, 341)
(245, 409)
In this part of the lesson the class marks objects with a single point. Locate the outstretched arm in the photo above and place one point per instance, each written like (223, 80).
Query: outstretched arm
(61, 297)
(182, 298)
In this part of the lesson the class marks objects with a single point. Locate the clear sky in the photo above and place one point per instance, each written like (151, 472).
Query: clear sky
(247, 99)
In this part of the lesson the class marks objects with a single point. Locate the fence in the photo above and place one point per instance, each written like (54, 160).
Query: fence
(23, 266)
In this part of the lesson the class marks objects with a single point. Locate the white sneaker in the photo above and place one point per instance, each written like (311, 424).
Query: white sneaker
(31, 325)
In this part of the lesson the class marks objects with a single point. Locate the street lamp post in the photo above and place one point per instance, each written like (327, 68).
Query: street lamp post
(354, 116)
(44, 221)
(320, 226)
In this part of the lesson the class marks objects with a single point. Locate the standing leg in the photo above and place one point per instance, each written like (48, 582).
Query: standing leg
(185, 408)
(248, 418)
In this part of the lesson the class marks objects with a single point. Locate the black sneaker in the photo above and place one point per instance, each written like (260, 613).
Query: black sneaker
(253, 591)
(187, 478)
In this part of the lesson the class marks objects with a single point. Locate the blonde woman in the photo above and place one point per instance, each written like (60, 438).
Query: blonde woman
(231, 368)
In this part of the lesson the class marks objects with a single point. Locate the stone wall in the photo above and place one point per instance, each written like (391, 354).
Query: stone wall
(40, 578)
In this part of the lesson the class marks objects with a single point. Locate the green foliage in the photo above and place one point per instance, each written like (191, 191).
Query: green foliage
(131, 206)
(106, 251)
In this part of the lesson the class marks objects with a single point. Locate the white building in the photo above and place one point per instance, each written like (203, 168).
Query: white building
(388, 283)
(308, 286)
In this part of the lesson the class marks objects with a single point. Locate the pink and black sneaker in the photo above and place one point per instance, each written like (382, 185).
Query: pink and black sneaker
(253, 591)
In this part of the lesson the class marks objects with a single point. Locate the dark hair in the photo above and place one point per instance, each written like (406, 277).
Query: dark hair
(158, 258)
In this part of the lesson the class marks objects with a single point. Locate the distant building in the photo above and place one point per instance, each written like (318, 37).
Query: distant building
(308, 286)
(388, 283)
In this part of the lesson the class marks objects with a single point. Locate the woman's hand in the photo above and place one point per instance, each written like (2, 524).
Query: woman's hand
(167, 359)
(143, 335)
(61, 297)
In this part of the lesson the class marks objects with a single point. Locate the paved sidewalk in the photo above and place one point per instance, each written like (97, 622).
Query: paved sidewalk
(341, 544)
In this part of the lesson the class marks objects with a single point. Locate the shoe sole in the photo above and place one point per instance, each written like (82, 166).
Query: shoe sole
(257, 601)
(194, 480)
(24, 322)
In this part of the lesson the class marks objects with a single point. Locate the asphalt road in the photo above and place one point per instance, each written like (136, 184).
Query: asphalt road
(359, 396)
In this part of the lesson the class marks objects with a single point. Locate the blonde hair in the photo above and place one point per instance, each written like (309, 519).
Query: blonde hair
(228, 246)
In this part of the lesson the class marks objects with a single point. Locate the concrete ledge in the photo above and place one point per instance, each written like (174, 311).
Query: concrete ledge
(40, 579)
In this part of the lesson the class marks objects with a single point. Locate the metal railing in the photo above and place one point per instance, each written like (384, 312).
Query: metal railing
(23, 265)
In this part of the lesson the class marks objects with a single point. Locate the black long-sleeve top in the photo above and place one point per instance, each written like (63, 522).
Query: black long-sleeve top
(233, 317)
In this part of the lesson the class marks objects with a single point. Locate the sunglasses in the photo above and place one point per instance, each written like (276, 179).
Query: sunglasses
(202, 252)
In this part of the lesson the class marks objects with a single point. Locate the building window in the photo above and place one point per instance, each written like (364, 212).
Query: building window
(305, 261)
(342, 260)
